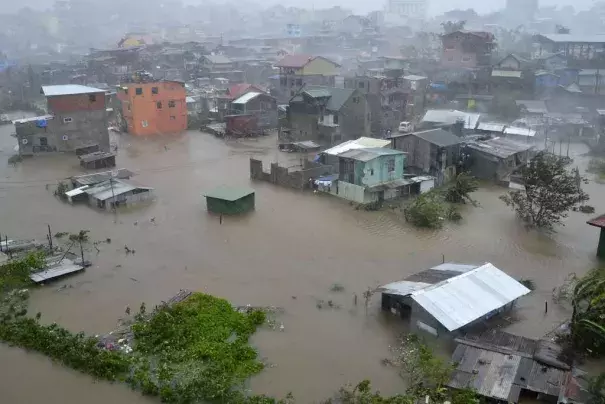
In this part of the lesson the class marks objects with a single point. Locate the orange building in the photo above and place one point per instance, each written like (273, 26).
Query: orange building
(153, 108)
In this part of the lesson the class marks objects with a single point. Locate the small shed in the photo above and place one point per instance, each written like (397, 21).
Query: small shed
(600, 223)
(230, 200)
(98, 160)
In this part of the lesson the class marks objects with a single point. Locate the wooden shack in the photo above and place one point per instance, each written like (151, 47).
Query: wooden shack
(98, 160)
(230, 200)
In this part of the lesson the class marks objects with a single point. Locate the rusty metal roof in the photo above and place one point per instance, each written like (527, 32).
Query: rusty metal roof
(598, 221)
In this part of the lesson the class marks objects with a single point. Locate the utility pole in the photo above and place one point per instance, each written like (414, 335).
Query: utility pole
(50, 239)
(113, 195)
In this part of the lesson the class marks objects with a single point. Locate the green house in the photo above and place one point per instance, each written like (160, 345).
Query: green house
(230, 200)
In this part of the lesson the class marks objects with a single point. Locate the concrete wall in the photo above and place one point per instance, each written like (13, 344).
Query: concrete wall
(352, 192)
(291, 179)
(76, 102)
(320, 66)
(354, 117)
(376, 171)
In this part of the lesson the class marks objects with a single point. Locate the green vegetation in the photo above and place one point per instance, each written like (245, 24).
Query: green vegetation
(596, 389)
(459, 190)
(597, 166)
(81, 238)
(62, 188)
(550, 191)
(15, 273)
(588, 303)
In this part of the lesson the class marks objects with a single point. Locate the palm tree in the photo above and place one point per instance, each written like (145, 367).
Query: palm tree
(588, 302)
(81, 238)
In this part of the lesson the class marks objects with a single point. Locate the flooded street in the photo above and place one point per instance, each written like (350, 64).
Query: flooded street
(287, 253)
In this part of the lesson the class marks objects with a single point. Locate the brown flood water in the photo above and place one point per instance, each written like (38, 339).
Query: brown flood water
(294, 245)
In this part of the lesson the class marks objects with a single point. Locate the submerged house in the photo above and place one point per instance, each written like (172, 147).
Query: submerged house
(509, 368)
(434, 152)
(110, 193)
(369, 174)
(450, 298)
(496, 159)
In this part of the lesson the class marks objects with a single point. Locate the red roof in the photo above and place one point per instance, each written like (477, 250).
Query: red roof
(237, 90)
(597, 222)
(298, 60)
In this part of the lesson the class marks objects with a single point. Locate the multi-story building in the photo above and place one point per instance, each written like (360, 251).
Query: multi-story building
(327, 115)
(467, 49)
(77, 119)
(404, 11)
(296, 71)
(153, 107)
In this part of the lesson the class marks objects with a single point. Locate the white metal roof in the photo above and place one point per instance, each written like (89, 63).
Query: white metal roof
(33, 119)
(69, 89)
(511, 130)
(491, 126)
(361, 143)
(450, 117)
(77, 191)
(246, 97)
(507, 73)
(463, 299)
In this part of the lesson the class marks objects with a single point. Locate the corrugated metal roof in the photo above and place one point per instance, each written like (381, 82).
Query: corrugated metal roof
(246, 97)
(426, 278)
(439, 137)
(367, 154)
(463, 299)
(507, 73)
(69, 89)
(229, 193)
(338, 96)
(500, 147)
(109, 189)
(491, 127)
(413, 77)
(573, 38)
(361, 143)
(511, 130)
(450, 117)
(597, 221)
(533, 106)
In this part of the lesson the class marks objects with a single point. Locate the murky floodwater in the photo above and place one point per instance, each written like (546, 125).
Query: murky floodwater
(287, 253)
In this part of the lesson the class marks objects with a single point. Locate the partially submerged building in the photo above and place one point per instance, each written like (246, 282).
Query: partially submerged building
(496, 159)
(435, 152)
(599, 222)
(77, 117)
(450, 298)
(230, 200)
(97, 160)
(509, 368)
(369, 172)
(110, 193)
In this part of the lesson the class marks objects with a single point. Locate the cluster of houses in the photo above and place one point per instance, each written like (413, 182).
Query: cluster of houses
(462, 304)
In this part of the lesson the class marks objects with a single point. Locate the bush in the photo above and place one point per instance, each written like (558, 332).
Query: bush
(427, 210)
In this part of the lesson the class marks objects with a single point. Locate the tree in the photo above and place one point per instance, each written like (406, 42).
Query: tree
(426, 211)
(505, 107)
(452, 26)
(460, 189)
(596, 389)
(550, 191)
(588, 304)
(81, 238)
(561, 29)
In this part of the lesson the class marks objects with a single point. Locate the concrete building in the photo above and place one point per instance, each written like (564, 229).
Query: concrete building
(153, 108)
(298, 70)
(398, 12)
(77, 119)
(467, 49)
(327, 115)
(259, 106)
(451, 298)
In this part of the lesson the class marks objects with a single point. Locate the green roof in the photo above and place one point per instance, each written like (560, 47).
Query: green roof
(229, 193)
(338, 96)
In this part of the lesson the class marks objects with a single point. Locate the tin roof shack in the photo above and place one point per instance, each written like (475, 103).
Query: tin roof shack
(77, 118)
(328, 115)
(96, 160)
(230, 200)
(496, 159)
(506, 367)
(261, 106)
(452, 298)
(600, 223)
(113, 192)
(435, 152)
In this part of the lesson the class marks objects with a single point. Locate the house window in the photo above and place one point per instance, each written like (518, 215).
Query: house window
(67, 120)
(171, 104)
(126, 91)
(391, 165)
(335, 119)
(92, 97)
(299, 82)
(371, 171)
(159, 104)
(139, 91)
(466, 58)
(172, 118)
(361, 84)
(154, 90)
(292, 93)
(144, 124)
(450, 58)
(43, 141)
(283, 81)
(129, 107)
